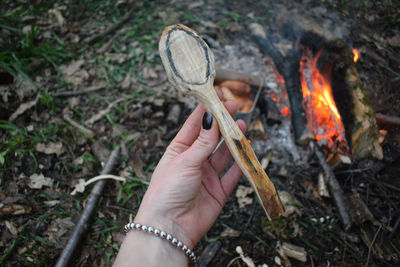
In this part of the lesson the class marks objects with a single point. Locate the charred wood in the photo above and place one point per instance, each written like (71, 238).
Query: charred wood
(288, 66)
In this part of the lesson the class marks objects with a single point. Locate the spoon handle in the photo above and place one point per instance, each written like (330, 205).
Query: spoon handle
(245, 157)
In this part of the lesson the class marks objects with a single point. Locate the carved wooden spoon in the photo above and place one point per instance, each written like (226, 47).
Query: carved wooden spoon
(189, 64)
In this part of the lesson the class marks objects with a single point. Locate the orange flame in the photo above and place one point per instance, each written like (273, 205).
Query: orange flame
(323, 117)
(356, 54)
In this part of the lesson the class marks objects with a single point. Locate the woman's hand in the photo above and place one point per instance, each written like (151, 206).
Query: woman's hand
(186, 193)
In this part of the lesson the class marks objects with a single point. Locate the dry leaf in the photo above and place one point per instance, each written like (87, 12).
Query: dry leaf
(50, 148)
(294, 252)
(138, 165)
(229, 232)
(394, 41)
(149, 73)
(322, 186)
(37, 181)
(24, 88)
(79, 187)
(128, 81)
(57, 16)
(73, 67)
(290, 203)
(57, 229)
(10, 226)
(73, 102)
(278, 261)
(249, 262)
(51, 203)
(22, 108)
(242, 198)
(14, 210)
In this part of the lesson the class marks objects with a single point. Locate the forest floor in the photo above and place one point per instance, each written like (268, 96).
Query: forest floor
(71, 91)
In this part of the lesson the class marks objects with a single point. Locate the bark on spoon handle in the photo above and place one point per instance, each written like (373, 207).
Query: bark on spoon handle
(189, 64)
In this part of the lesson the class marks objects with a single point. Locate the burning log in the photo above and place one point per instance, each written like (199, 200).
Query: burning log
(364, 129)
(288, 67)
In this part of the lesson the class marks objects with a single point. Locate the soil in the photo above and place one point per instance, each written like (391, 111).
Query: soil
(141, 112)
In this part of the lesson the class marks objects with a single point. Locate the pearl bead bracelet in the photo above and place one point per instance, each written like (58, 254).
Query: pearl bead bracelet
(175, 242)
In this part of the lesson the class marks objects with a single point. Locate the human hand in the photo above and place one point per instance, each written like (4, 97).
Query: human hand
(186, 193)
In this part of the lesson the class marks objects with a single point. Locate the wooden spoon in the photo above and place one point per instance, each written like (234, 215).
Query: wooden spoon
(189, 64)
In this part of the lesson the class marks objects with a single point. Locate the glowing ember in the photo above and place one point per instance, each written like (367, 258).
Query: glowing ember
(356, 55)
(280, 78)
(323, 117)
(285, 111)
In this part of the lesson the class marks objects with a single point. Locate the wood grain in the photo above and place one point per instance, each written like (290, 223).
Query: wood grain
(189, 64)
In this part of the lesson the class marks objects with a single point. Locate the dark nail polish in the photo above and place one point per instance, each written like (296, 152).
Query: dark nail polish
(207, 121)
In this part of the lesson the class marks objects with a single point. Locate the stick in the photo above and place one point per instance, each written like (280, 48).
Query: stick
(334, 186)
(79, 92)
(387, 119)
(78, 126)
(83, 224)
(97, 37)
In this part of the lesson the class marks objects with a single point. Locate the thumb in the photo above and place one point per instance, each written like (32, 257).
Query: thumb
(205, 143)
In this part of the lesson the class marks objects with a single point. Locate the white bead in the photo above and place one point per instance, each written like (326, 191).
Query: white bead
(163, 234)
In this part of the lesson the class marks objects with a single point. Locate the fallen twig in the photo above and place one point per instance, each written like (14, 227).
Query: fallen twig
(372, 243)
(80, 187)
(387, 119)
(334, 186)
(78, 126)
(83, 224)
(22, 108)
(78, 92)
(102, 113)
(97, 37)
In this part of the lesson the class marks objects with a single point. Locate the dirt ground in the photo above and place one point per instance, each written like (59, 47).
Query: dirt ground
(73, 88)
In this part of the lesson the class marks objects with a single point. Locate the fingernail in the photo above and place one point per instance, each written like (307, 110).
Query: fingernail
(207, 121)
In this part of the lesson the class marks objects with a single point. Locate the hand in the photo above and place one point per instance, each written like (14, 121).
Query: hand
(186, 193)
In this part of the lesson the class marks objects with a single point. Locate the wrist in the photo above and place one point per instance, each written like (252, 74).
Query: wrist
(146, 250)
(164, 223)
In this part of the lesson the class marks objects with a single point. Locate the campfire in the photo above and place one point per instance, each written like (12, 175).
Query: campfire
(323, 95)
